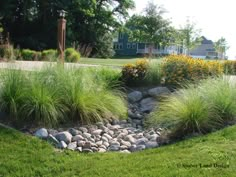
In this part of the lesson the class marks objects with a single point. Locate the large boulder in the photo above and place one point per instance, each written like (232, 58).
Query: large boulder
(158, 91)
(41, 133)
(64, 136)
(135, 96)
(148, 104)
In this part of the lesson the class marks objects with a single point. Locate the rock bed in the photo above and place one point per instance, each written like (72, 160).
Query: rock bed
(101, 137)
(123, 136)
(141, 103)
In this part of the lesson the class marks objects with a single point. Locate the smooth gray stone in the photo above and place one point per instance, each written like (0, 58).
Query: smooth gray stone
(135, 96)
(64, 136)
(41, 133)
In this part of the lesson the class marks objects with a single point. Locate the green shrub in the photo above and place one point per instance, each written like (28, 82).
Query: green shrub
(229, 67)
(17, 53)
(30, 55)
(7, 52)
(49, 55)
(71, 55)
(134, 74)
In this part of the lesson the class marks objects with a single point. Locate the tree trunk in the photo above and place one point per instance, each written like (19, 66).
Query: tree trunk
(150, 50)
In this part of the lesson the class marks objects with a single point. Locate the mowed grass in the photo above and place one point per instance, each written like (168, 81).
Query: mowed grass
(22, 155)
(111, 62)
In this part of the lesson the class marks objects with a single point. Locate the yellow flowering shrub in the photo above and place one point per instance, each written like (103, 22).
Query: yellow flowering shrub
(133, 73)
(179, 68)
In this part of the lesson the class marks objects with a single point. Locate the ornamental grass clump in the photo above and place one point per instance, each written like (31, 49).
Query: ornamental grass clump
(154, 73)
(57, 95)
(12, 92)
(200, 108)
(87, 97)
(221, 94)
(108, 76)
(184, 113)
(42, 102)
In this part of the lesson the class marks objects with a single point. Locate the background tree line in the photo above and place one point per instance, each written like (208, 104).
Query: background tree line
(33, 23)
(92, 24)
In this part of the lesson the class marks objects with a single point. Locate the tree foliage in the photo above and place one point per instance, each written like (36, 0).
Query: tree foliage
(221, 46)
(33, 23)
(151, 26)
(188, 36)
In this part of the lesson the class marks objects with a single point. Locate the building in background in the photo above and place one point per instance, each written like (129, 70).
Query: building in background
(205, 50)
(123, 47)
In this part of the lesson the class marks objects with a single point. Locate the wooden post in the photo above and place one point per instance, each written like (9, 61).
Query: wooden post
(61, 38)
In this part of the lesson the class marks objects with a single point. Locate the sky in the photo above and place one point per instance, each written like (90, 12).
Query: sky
(215, 18)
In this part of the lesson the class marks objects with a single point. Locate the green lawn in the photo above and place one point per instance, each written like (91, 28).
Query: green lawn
(112, 62)
(22, 155)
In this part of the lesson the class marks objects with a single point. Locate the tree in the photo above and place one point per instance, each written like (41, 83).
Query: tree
(150, 27)
(188, 36)
(33, 23)
(221, 47)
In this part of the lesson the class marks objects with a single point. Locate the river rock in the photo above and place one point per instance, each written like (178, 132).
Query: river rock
(87, 145)
(97, 132)
(72, 146)
(41, 133)
(88, 150)
(74, 132)
(86, 135)
(80, 149)
(94, 149)
(99, 143)
(125, 143)
(101, 150)
(104, 139)
(135, 96)
(141, 141)
(83, 129)
(130, 138)
(158, 91)
(125, 151)
(81, 143)
(77, 138)
(107, 136)
(64, 136)
(123, 147)
(151, 144)
(51, 139)
(114, 147)
(62, 145)
(106, 144)
(148, 104)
